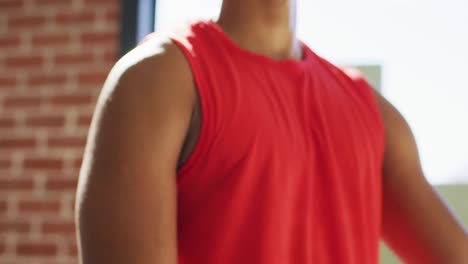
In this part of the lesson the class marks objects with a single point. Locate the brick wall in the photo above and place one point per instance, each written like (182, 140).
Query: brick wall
(54, 57)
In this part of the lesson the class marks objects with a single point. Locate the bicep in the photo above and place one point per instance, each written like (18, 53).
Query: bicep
(416, 222)
(126, 203)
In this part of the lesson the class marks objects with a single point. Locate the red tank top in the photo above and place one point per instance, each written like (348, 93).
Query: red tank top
(287, 168)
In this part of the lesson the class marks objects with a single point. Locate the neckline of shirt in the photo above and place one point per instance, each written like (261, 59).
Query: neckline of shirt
(286, 63)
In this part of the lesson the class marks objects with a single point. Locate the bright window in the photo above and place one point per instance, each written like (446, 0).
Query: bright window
(422, 47)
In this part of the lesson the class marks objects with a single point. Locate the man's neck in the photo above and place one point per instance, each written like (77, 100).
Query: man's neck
(266, 27)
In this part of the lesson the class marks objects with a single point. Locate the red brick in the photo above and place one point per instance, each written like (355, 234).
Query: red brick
(7, 122)
(22, 101)
(8, 41)
(68, 261)
(17, 143)
(20, 61)
(77, 163)
(110, 57)
(45, 121)
(84, 120)
(16, 184)
(72, 100)
(7, 82)
(43, 163)
(73, 250)
(75, 18)
(2, 248)
(55, 3)
(58, 227)
(51, 78)
(48, 40)
(93, 78)
(10, 5)
(3, 206)
(5, 164)
(103, 2)
(60, 184)
(26, 22)
(108, 38)
(15, 226)
(66, 142)
(73, 59)
(39, 248)
(37, 206)
(113, 16)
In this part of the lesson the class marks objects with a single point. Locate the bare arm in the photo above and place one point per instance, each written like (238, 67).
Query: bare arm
(126, 201)
(416, 222)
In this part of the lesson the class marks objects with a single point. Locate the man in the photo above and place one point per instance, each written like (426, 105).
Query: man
(234, 143)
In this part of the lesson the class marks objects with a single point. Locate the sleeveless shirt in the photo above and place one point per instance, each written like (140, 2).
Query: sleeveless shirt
(287, 167)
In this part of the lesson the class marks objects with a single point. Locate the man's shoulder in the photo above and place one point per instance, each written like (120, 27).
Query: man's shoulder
(153, 67)
(157, 56)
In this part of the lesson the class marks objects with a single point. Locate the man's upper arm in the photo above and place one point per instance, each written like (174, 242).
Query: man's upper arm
(416, 222)
(126, 201)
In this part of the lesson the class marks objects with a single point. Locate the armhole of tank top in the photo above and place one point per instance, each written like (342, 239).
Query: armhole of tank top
(358, 78)
(205, 110)
(367, 88)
